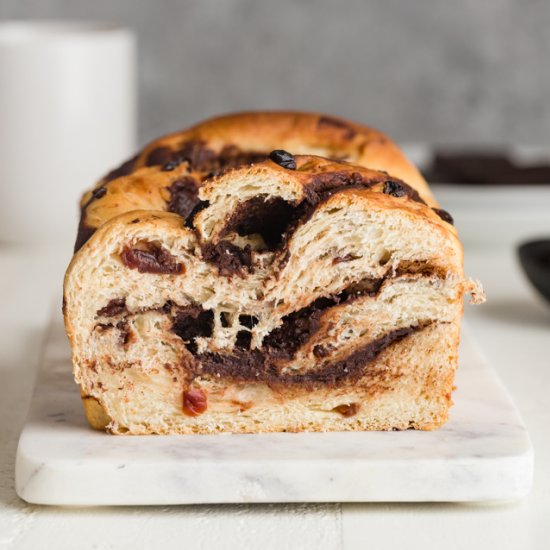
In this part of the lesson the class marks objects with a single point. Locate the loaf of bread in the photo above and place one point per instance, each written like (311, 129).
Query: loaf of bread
(224, 284)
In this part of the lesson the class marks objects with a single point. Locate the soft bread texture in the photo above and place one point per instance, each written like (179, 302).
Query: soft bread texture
(324, 296)
(224, 142)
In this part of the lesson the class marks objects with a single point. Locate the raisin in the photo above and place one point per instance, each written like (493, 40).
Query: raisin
(283, 158)
(347, 410)
(395, 189)
(194, 402)
(152, 260)
(444, 215)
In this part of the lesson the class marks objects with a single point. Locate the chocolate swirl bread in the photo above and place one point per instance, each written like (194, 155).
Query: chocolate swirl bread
(167, 174)
(297, 293)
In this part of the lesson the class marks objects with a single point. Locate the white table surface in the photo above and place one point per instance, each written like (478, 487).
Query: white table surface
(513, 328)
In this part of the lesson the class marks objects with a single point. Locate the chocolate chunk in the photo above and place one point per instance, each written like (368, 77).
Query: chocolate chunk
(99, 192)
(229, 258)
(444, 215)
(150, 258)
(400, 189)
(191, 322)
(114, 307)
(183, 196)
(395, 189)
(283, 158)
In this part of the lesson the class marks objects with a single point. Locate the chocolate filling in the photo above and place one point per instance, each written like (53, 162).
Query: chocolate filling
(150, 258)
(191, 322)
(282, 343)
(201, 205)
(261, 366)
(183, 196)
(276, 219)
(243, 340)
(268, 217)
(229, 258)
(114, 307)
(296, 329)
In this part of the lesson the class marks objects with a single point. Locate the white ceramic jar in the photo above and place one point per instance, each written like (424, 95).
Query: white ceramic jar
(67, 116)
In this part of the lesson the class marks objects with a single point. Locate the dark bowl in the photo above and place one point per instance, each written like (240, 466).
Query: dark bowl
(535, 260)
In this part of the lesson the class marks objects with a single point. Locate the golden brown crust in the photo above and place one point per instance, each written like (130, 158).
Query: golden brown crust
(143, 184)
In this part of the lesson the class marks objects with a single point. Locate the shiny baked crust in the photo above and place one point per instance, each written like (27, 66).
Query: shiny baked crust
(224, 142)
(315, 295)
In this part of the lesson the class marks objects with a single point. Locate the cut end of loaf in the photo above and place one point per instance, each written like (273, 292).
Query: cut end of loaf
(320, 297)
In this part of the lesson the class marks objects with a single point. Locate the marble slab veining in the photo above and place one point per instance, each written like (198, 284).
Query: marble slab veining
(483, 453)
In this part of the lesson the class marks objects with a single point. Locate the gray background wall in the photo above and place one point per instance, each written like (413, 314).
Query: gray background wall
(474, 71)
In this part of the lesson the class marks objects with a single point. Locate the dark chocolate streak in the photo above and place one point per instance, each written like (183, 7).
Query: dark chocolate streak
(190, 322)
(276, 219)
(270, 218)
(281, 344)
(260, 366)
(114, 307)
(229, 258)
(201, 158)
(183, 196)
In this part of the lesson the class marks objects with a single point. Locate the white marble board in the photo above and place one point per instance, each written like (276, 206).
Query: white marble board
(482, 453)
